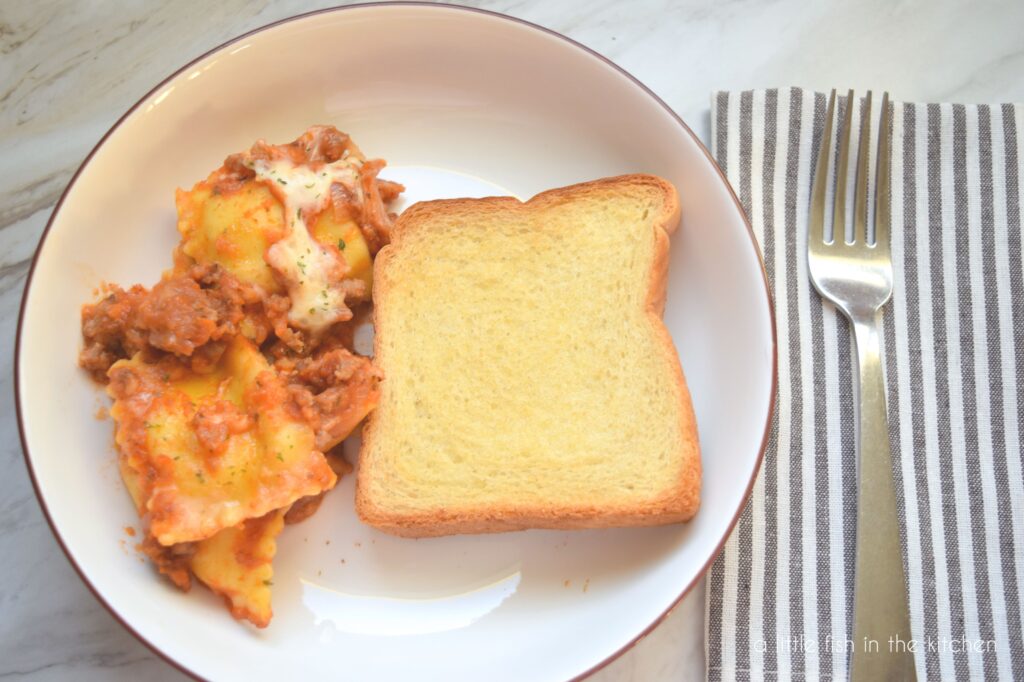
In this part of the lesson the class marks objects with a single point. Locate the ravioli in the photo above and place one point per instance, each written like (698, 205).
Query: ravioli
(234, 225)
(236, 563)
(231, 228)
(211, 450)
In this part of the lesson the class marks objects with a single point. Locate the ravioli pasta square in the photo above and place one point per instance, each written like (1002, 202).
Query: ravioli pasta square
(212, 450)
(236, 563)
(232, 229)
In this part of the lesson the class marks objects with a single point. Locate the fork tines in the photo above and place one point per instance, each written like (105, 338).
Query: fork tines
(861, 234)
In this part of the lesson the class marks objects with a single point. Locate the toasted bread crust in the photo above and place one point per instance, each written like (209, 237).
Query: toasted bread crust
(679, 503)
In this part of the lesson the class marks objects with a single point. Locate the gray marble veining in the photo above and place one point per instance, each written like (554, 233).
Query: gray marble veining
(69, 69)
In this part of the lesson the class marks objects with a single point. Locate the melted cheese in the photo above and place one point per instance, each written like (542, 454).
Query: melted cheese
(308, 267)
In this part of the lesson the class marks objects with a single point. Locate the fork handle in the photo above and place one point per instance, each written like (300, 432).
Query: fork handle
(880, 612)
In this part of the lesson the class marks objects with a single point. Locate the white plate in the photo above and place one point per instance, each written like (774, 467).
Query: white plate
(458, 101)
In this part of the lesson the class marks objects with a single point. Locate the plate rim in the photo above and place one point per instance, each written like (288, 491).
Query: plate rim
(378, 4)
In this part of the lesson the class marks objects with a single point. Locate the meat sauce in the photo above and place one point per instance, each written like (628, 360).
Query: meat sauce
(189, 315)
(183, 324)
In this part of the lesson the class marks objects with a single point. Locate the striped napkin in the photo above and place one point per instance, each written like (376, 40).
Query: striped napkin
(779, 602)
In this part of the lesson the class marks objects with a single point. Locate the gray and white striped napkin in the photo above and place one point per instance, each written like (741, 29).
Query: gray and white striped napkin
(779, 602)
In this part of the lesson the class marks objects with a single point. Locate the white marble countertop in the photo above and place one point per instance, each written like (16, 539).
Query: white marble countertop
(69, 69)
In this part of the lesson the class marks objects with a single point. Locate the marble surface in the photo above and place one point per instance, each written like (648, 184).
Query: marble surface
(69, 69)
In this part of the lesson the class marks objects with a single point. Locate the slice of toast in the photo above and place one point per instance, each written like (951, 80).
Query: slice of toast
(529, 381)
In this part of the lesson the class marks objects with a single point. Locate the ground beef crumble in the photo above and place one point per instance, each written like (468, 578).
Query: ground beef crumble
(172, 561)
(190, 315)
(332, 390)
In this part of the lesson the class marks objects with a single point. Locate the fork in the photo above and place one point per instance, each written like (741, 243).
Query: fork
(857, 277)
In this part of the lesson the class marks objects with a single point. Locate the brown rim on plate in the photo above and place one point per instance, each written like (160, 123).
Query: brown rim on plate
(56, 209)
